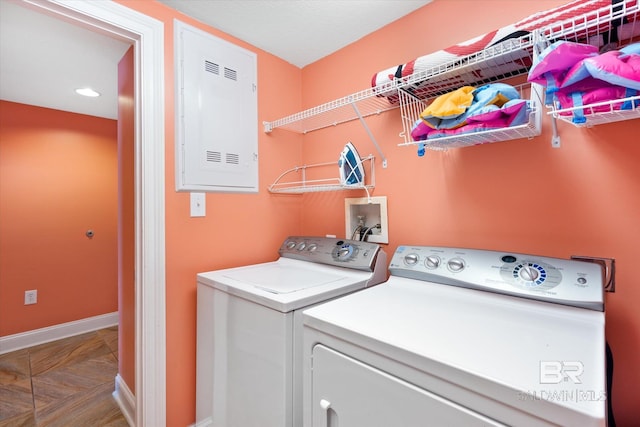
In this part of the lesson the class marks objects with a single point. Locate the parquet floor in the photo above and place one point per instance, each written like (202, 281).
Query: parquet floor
(65, 383)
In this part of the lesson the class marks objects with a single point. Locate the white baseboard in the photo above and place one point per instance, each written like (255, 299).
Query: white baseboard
(204, 423)
(22, 340)
(126, 401)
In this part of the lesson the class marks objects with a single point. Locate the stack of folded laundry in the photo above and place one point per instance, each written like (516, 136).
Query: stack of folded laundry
(576, 75)
(469, 110)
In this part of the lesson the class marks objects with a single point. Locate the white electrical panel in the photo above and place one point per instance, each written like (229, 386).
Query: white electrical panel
(216, 113)
(366, 219)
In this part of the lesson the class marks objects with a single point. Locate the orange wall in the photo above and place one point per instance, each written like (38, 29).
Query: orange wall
(524, 196)
(519, 195)
(57, 180)
(238, 228)
(126, 220)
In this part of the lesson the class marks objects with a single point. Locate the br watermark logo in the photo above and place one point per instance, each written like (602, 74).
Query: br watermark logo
(568, 374)
(555, 371)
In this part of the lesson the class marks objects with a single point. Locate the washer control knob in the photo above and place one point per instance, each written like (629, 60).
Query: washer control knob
(582, 280)
(312, 247)
(291, 244)
(432, 261)
(529, 273)
(411, 259)
(301, 246)
(343, 252)
(456, 264)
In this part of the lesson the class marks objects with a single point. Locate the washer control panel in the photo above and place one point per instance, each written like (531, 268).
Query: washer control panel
(332, 251)
(562, 281)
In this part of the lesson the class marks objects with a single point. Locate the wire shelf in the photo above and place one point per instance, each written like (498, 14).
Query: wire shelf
(368, 102)
(300, 184)
(316, 187)
(507, 59)
(610, 27)
(527, 130)
(598, 26)
(601, 112)
(511, 58)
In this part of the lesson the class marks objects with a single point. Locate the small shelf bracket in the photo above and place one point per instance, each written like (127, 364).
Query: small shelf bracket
(555, 136)
(373, 139)
(541, 43)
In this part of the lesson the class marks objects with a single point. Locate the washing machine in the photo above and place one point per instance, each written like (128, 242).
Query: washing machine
(461, 337)
(249, 327)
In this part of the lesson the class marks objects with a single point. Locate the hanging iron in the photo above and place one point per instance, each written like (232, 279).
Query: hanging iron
(350, 165)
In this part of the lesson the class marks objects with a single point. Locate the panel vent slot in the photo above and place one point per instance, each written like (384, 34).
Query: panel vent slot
(214, 156)
(212, 67)
(231, 74)
(233, 158)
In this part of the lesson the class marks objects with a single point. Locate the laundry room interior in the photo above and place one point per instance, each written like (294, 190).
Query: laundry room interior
(566, 191)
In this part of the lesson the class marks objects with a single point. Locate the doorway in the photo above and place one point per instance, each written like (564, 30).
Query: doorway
(146, 35)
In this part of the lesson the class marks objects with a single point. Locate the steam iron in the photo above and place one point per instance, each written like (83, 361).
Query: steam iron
(350, 165)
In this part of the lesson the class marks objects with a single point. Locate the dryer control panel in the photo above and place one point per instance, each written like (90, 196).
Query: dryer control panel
(562, 281)
(331, 251)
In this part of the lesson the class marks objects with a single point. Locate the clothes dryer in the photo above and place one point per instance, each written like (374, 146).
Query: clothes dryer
(461, 337)
(249, 327)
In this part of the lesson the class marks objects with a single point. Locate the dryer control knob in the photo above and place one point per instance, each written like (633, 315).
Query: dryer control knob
(456, 264)
(411, 259)
(432, 261)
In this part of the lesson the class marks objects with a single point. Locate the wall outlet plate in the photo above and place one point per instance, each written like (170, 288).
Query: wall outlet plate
(30, 297)
(198, 204)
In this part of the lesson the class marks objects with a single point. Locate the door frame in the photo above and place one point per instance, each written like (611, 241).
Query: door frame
(146, 34)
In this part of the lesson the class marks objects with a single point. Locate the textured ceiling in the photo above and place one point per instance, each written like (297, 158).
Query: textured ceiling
(44, 59)
(298, 31)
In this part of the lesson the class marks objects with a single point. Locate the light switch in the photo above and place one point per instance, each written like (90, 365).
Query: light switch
(198, 204)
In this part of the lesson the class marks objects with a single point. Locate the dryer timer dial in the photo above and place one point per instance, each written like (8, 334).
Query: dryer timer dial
(343, 252)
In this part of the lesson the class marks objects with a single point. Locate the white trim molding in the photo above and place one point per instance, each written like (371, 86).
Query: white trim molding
(207, 422)
(146, 34)
(125, 400)
(14, 342)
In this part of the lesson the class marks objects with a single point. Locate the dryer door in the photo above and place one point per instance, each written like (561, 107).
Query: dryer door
(349, 393)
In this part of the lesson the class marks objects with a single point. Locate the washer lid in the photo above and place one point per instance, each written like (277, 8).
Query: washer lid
(288, 284)
(278, 279)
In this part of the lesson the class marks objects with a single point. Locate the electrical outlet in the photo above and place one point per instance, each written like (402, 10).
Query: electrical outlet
(30, 297)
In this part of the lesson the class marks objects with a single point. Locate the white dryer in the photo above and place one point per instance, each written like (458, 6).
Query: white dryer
(517, 340)
(249, 327)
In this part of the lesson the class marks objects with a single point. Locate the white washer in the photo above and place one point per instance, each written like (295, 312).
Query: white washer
(249, 331)
(415, 352)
